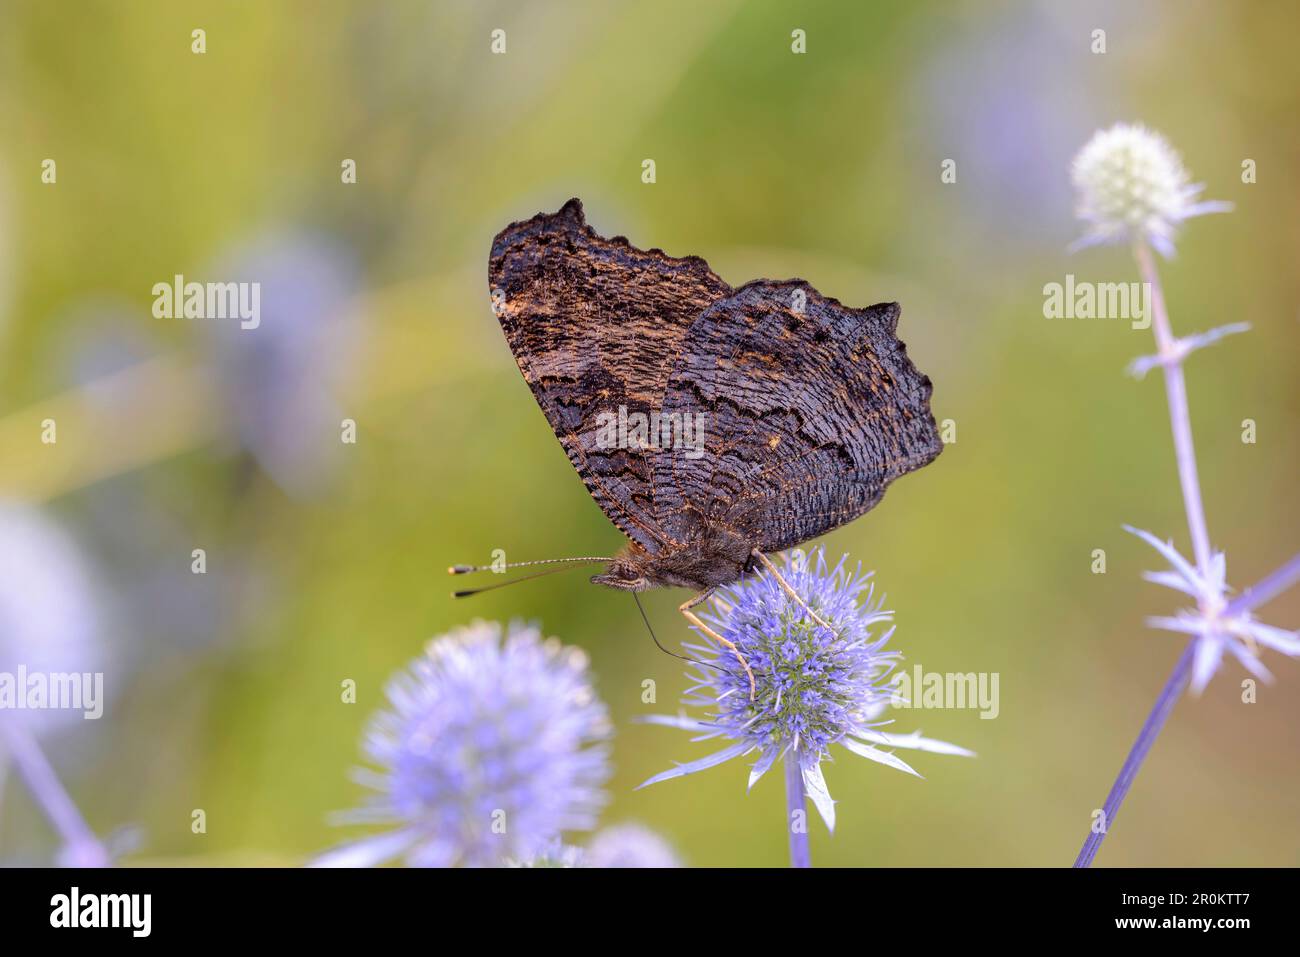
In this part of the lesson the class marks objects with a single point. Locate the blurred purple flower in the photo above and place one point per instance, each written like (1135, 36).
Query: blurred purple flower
(142, 552)
(815, 687)
(50, 607)
(97, 337)
(280, 379)
(493, 747)
(1011, 136)
(50, 623)
(629, 845)
(624, 845)
(555, 854)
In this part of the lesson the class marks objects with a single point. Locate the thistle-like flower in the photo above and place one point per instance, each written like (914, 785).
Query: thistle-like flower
(492, 748)
(1132, 185)
(815, 687)
(1216, 631)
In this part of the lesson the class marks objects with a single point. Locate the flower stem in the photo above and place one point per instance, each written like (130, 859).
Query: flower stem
(796, 801)
(1173, 690)
(80, 844)
(1180, 422)
(1179, 418)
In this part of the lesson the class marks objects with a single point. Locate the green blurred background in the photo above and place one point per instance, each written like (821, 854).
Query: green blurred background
(327, 561)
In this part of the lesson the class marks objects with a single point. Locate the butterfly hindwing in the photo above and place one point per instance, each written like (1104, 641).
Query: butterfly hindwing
(812, 409)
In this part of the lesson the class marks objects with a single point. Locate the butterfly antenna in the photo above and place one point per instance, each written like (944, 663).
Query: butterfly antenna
(467, 569)
(514, 581)
(694, 661)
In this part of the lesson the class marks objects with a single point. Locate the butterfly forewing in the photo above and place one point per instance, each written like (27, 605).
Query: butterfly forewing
(595, 326)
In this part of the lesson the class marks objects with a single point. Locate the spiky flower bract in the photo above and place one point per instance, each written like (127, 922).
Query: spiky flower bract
(1215, 629)
(1132, 185)
(814, 686)
(492, 748)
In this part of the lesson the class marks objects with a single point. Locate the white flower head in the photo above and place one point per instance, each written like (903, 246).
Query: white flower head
(1132, 185)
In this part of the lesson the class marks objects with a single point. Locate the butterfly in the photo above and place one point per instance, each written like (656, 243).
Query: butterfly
(712, 425)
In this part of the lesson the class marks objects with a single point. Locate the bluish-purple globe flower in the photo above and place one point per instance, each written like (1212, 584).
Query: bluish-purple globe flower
(815, 686)
(492, 748)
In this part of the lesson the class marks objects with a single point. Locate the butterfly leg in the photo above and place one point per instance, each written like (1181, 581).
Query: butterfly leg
(694, 619)
(789, 590)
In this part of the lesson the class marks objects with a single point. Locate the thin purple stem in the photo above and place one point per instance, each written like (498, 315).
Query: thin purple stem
(80, 844)
(1180, 422)
(1180, 419)
(796, 820)
(1173, 690)
(1266, 590)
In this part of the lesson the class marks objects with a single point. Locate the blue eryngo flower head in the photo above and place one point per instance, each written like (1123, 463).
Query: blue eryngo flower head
(1132, 186)
(491, 748)
(814, 686)
(1217, 631)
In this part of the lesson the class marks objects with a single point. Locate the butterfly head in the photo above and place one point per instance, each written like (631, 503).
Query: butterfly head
(626, 572)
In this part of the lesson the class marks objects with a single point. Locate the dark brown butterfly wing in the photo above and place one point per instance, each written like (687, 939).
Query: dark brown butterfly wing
(813, 409)
(596, 324)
